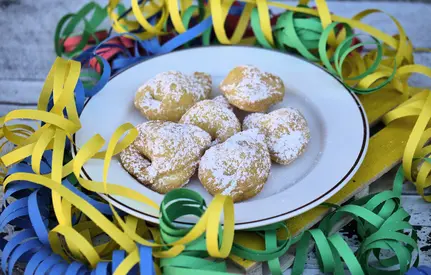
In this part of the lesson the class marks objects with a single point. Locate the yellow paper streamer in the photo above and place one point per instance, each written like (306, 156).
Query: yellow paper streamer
(124, 233)
(61, 82)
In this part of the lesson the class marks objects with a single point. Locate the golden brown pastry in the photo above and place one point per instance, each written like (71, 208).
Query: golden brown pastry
(215, 117)
(286, 133)
(250, 89)
(238, 167)
(168, 95)
(165, 154)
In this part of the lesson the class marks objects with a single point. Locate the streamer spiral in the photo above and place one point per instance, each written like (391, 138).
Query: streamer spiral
(58, 214)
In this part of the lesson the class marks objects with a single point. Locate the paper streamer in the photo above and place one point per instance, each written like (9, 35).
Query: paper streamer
(361, 74)
(416, 113)
(421, 270)
(38, 173)
(35, 171)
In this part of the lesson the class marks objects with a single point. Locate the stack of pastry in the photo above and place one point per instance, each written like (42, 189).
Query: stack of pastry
(187, 131)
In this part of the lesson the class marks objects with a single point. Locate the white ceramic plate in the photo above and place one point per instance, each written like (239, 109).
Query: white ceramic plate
(337, 121)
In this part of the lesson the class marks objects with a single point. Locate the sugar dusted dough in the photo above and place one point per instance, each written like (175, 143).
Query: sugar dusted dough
(215, 117)
(168, 95)
(165, 155)
(250, 89)
(286, 133)
(238, 167)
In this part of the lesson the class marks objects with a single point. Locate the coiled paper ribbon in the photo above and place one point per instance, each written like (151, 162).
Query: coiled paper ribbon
(40, 175)
(416, 113)
(363, 74)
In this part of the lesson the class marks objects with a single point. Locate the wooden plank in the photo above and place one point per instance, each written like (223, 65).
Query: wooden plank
(377, 104)
(414, 205)
(6, 108)
(419, 211)
(404, 12)
(287, 259)
(256, 268)
(391, 141)
(386, 100)
(22, 92)
(386, 183)
(28, 53)
(424, 244)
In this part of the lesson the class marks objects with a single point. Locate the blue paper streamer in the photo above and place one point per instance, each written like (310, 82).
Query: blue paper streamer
(146, 263)
(37, 258)
(39, 222)
(48, 263)
(14, 243)
(19, 186)
(187, 36)
(16, 209)
(76, 268)
(58, 269)
(28, 247)
(117, 257)
(32, 245)
(421, 270)
(102, 268)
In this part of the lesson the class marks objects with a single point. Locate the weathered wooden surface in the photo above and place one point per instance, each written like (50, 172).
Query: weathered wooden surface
(385, 150)
(26, 55)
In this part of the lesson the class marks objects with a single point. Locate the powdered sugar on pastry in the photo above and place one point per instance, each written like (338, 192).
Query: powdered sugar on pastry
(173, 151)
(288, 146)
(168, 95)
(214, 117)
(135, 163)
(286, 133)
(250, 89)
(239, 167)
(223, 101)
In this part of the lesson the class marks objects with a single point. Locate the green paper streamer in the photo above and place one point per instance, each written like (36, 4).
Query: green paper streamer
(69, 22)
(381, 222)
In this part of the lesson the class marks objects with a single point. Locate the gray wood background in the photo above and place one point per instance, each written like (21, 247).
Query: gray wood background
(27, 53)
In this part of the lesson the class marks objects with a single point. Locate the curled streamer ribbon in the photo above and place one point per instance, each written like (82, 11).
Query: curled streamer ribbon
(65, 44)
(363, 74)
(39, 172)
(46, 169)
(416, 113)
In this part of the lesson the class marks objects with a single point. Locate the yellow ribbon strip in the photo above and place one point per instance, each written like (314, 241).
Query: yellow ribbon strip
(124, 234)
(61, 81)
(416, 113)
(398, 53)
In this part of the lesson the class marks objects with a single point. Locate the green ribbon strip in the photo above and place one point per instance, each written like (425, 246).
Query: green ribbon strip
(341, 53)
(381, 224)
(293, 31)
(258, 33)
(186, 18)
(176, 204)
(68, 23)
(305, 35)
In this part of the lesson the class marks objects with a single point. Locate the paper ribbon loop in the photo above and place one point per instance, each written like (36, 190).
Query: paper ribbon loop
(157, 27)
(416, 113)
(69, 46)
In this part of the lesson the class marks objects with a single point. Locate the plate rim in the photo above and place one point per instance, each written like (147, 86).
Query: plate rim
(328, 194)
